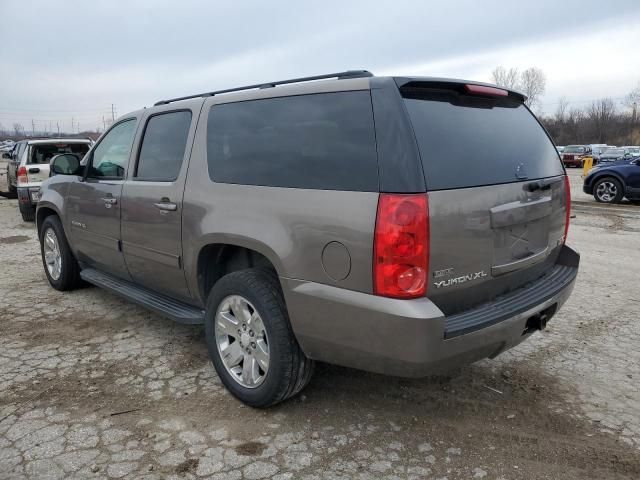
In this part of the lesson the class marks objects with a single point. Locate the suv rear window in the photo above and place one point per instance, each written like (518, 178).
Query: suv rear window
(42, 153)
(320, 141)
(467, 141)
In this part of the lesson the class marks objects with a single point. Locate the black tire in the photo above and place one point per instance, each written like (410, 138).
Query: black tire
(69, 278)
(617, 198)
(289, 369)
(27, 211)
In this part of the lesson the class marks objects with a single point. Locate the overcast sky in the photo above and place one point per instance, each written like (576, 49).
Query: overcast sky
(64, 59)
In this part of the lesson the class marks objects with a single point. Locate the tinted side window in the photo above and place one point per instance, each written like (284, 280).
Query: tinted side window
(322, 141)
(21, 148)
(111, 155)
(163, 146)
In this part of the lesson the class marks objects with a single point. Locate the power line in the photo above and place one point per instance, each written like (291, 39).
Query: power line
(582, 101)
(54, 110)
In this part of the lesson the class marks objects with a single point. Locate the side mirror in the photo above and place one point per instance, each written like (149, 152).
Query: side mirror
(64, 164)
(6, 155)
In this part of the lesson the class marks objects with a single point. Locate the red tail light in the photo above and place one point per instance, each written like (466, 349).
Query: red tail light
(22, 175)
(567, 193)
(484, 90)
(401, 246)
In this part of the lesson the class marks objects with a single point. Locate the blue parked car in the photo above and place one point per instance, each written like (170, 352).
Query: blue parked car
(610, 183)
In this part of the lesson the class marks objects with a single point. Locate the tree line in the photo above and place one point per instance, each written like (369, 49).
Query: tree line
(600, 122)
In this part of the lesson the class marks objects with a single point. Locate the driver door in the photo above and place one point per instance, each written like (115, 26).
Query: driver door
(93, 202)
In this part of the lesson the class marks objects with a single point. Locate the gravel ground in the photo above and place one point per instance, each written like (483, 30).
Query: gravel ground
(94, 387)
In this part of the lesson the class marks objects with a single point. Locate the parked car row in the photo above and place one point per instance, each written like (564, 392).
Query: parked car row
(575, 155)
(6, 145)
(28, 167)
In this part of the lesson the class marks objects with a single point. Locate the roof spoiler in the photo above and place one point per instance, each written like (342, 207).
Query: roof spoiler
(462, 86)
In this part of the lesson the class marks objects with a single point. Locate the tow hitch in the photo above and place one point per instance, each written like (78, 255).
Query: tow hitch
(540, 319)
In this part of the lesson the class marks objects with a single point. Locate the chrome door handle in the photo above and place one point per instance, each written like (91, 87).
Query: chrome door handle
(166, 206)
(109, 201)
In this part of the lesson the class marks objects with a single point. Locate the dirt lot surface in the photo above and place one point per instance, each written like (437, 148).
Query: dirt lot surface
(94, 387)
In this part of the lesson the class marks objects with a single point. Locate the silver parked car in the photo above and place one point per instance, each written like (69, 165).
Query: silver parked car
(28, 166)
(392, 224)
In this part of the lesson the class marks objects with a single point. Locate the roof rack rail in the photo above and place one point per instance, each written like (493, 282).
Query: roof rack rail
(338, 75)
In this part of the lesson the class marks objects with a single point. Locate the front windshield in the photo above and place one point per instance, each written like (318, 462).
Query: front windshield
(573, 149)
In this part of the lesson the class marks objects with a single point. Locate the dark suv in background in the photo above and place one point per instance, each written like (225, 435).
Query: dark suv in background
(612, 181)
(392, 224)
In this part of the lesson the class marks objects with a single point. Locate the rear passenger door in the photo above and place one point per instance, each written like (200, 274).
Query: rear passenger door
(152, 199)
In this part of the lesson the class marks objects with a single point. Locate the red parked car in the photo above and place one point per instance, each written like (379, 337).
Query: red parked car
(574, 155)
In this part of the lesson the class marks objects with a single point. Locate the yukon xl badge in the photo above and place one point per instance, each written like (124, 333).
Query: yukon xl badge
(458, 280)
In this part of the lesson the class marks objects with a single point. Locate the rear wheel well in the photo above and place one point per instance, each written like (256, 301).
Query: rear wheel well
(217, 260)
(42, 214)
(607, 175)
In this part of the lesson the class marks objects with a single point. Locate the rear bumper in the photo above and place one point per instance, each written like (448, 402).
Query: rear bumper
(413, 338)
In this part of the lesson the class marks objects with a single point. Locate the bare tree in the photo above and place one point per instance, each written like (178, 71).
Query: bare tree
(575, 119)
(506, 78)
(632, 100)
(18, 129)
(602, 114)
(533, 84)
(561, 111)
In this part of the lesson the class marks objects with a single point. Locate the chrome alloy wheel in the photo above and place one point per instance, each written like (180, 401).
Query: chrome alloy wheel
(606, 191)
(242, 341)
(52, 256)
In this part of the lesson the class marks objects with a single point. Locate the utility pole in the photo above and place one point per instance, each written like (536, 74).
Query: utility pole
(72, 124)
(33, 128)
(113, 114)
(58, 126)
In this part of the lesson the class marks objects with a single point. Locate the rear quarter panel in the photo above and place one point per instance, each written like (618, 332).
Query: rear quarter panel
(291, 227)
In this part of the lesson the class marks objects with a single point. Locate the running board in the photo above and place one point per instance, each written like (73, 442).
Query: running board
(161, 304)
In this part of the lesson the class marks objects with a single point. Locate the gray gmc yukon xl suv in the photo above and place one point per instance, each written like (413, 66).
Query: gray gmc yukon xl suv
(391, 224)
